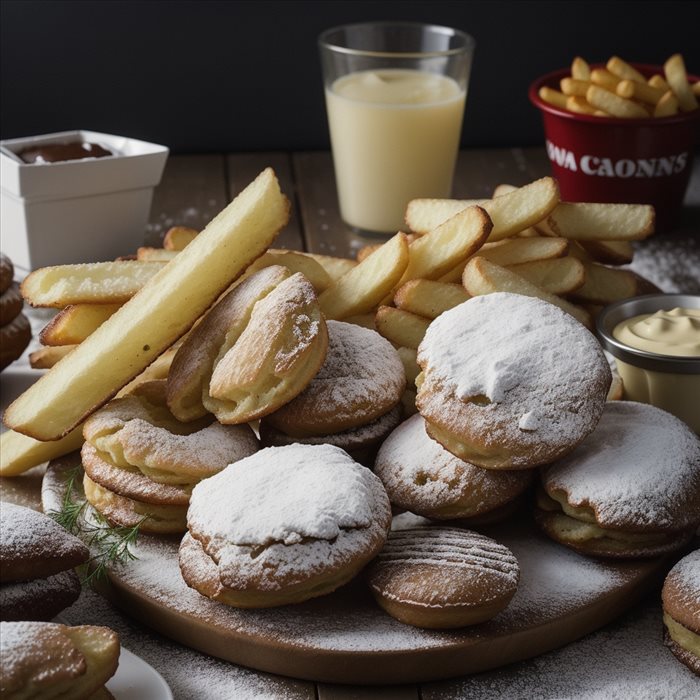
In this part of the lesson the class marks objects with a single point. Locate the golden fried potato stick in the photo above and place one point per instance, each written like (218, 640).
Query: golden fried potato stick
(147, 254)
(76, 322)
(609, 252)
(604, 78)
(429, 299)
(150, 322)
(571, 86)
(614, 105)
(402, 328)
(677, 78)
(48, 356)
(658, 81)
(624, 70)
(580, 70)
(179, 237)
(580, 106)
(583, 221)
(558, 276)
(633, 90)
(667, 106)
(335, 267)
(19, 453)
(604, 285)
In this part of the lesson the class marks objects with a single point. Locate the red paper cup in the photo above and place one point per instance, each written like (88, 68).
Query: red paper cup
(610, 159)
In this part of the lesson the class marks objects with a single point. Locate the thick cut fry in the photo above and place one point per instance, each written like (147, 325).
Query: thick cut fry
(610, 252)
(499, 191)
(483, 277)
(87, 283)
(75, 323)
(552, 97)
(515, 251)
(580, 70)
(410, 364)
(335, 267)
(19, 453)
(631, 89)
(178, 237)
(510, 213)
(146, 254)
(658, 81)
(604, 78)
(615, 222)
(677, 78)
(366, 251)
(667, 106)
(294, 262)
(429, 299)
(624, 70)
(612, 104)
(559, 276)
(580, 106)
(571, 86)
(604, 285)
(362, 288)
(47, 357)
(156, 317)
(402, 328)
(158, 369)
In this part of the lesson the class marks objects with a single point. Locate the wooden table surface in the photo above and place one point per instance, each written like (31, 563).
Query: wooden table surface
(626, 659)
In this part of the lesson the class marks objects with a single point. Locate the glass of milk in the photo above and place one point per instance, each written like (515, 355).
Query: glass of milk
(395, 95)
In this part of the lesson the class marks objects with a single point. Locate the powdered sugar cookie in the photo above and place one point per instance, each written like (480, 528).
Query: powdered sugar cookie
(443, 577)
(285, 525)
(510, 382)
(631, 489)
(421, 476)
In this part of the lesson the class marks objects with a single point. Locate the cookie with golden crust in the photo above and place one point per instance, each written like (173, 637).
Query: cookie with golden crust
(44, 660)
(138, 431)
(443, 577)
(681, 604)
(632, 489)
(510, 382)
(421, 476)
(285, 525)
(361, 379)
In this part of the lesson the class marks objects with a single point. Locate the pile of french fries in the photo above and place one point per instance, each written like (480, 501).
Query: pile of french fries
(620, 90)
(523, 240)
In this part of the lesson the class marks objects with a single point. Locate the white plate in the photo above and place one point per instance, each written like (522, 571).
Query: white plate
(137, 680)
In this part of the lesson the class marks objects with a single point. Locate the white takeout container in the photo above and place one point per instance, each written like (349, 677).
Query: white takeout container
(84, 210)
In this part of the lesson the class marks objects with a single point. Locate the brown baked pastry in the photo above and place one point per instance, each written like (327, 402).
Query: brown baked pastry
(14, 338)
(40, 598)
(421, 476)
(443, 577)
(44, 660)
(510, 382)
(632, 489)
(681, 603)
(285, 525)
(361, 380)
(11, 304)
(7, 272)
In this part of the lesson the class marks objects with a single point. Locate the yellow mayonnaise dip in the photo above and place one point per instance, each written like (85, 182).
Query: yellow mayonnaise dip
(675, 333)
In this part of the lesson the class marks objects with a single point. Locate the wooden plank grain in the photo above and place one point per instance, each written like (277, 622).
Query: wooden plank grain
(242, 168)
(191, 192)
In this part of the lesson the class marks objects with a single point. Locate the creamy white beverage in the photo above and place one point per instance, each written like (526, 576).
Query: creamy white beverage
(395, 136)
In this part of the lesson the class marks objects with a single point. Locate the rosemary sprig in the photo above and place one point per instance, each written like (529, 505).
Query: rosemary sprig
(110, 544)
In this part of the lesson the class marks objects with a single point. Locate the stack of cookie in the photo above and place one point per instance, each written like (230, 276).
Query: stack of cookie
(37, 561)
(15, 331)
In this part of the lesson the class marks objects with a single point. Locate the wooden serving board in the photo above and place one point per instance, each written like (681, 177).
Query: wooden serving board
(346, 638)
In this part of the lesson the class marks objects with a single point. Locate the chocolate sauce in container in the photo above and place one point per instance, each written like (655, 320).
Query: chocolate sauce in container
(57, 152)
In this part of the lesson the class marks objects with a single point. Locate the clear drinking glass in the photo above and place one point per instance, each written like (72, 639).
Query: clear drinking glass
(395, 95)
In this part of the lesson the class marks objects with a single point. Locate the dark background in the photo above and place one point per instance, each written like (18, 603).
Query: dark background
(245, 76)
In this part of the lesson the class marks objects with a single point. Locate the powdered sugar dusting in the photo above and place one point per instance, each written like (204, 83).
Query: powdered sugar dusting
(685, 579)
(639, 469)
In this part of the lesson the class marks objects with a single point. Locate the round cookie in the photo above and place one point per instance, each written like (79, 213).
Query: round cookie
(421, 476)
(285, 525)
(681, 604)
(361, 380)
(632, 489)
(7, 272)
(510, 382)
(443, 577)
(11, 304)
(39, 599)
(14, 338)
(139, 432)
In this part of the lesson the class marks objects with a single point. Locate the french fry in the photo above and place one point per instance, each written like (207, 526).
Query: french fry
(571, 86)
(657, 81)
(335, 267)
(402, 328)
(366, 251)
(19, 453)
(87, 283)
(604, 78)
(583, 221)
(73, 324)
(624, 70)
(580, 106)
(48, 356)
(580, 70)
(484, 277)
(610, 252)
(510, 213)
(677, 78)
(552, 97)
(558, 276)
(612, 104)
(365, 285)
(499, 191)
(146, 254)
(162, 311)
(631, 89)
(667, 106)
(294, 262)
(429, 299)
(158, 369)
(603, 285)
(178, 237)
(410, 364)
(515, 251)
